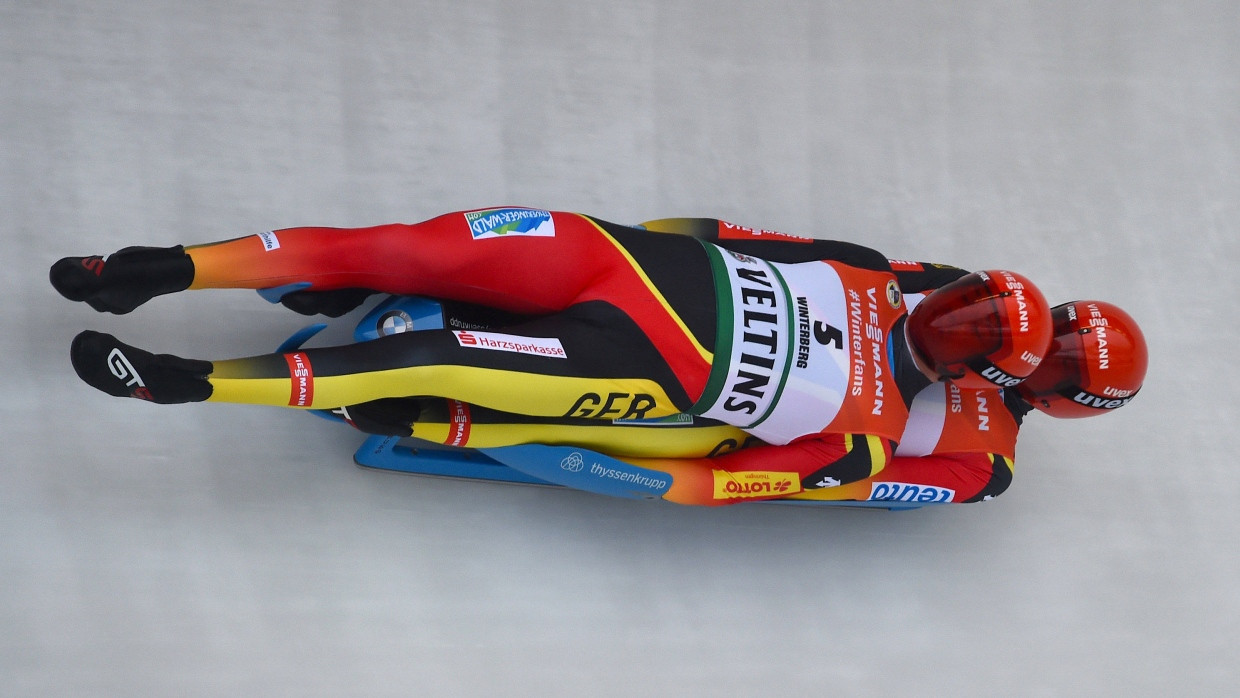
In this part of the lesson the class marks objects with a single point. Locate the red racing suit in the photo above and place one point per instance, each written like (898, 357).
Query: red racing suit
(959, 446)
(618, 322)
(956, 446)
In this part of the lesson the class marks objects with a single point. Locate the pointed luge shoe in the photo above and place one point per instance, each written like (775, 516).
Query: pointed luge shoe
(118, 369)
(126, 279)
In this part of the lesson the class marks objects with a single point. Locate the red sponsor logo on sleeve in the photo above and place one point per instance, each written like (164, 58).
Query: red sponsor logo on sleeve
(731, 231)
(302, 392)
(905, 265)
(458, 430)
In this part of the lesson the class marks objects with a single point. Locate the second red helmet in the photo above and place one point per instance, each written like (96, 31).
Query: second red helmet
(987, 329)
(1096, 363)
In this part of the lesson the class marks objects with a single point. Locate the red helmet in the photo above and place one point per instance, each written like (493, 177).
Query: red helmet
(984, 330)
(1096, 362)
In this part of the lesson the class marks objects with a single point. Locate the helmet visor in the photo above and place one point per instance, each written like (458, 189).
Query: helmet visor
(957, 323)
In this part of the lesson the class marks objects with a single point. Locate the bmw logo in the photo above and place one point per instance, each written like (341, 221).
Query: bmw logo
(394, 322)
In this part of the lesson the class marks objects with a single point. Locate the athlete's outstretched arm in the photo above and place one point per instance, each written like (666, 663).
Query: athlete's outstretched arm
(770, 245)
(923, 277)
(941, 477)
(772, 472)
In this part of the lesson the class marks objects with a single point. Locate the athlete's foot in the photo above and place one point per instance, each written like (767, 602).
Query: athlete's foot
(118, 369)
(126, 279)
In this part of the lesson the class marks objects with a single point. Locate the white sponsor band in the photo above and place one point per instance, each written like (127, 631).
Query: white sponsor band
(270, 241)
(909, 492)
(496, 341)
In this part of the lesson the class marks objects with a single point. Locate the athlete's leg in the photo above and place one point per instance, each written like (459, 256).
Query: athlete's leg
(589, 361)
(542, 264)
(526, 260)
(456, 423)
(521, 259)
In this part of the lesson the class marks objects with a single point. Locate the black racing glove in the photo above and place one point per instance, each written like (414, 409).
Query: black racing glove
(332, 303)
(389, 416)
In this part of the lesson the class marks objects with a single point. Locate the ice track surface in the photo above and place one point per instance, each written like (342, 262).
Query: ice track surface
(214, 550)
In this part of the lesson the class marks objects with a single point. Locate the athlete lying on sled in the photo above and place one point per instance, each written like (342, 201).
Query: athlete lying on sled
(957, 446)
(668, 322)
